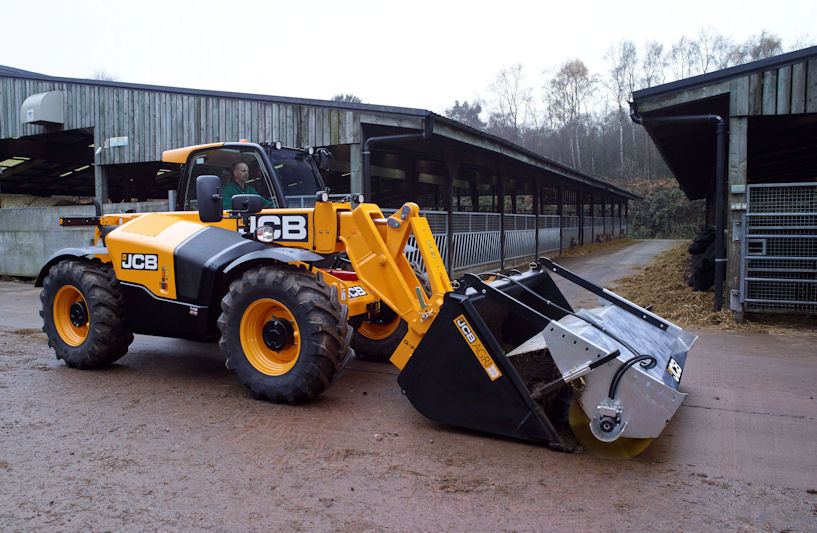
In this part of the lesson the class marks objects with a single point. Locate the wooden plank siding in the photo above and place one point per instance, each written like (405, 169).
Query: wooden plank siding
(783, 104)
(788, 90)
(769, 98)
(739, 97)
(154, 121)
(811, 87)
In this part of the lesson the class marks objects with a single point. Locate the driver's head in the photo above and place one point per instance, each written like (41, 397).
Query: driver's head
(240, 172)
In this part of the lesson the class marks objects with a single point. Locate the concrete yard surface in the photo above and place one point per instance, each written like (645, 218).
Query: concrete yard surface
(167, 439)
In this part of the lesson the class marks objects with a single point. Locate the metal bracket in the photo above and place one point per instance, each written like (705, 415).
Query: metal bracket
(607, 295)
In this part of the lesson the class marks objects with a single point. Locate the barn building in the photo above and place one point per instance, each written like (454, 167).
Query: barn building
(758, 175)
(77, 138)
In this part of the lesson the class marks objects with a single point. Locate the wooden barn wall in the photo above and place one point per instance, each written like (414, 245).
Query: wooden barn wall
(787, 90)
(14, 91)
(155, 121)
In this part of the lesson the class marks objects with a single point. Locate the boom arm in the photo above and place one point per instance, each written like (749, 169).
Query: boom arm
(375, 247)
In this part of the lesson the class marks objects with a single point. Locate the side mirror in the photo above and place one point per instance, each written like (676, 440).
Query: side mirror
(322, 158)
(247, 203)
(208, 194)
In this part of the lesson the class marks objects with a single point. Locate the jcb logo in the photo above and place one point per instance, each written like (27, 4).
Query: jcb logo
(356, 291)
(285, 227)
(674, 370)
(466, 330)
(479, 350)
(140, 261)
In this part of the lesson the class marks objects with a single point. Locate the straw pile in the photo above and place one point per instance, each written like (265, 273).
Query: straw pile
(662, 284)
(594, 247)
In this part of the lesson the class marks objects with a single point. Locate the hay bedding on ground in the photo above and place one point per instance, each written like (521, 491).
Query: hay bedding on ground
(594, 247)
(663, 285)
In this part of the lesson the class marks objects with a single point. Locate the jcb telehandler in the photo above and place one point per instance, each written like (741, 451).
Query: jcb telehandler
(290, 290)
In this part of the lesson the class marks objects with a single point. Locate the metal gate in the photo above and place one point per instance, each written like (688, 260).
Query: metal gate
(779, 249)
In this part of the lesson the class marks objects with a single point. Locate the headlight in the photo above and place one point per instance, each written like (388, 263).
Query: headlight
(265, 234)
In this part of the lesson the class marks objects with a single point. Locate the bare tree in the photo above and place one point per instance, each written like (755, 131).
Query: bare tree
(802, 41)
(763, 46)
(570, 89)
(713, 51)
(682, 58)
(653, 65)
(103, 75)
(622, 60)
(511, 101)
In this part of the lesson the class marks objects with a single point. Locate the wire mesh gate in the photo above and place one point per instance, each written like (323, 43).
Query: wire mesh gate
(779, 249)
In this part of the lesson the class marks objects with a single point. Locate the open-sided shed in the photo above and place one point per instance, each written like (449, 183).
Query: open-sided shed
(767, 205)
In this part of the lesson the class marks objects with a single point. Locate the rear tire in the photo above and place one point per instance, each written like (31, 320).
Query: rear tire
(84, 314)
(376, 342)
(284, 332)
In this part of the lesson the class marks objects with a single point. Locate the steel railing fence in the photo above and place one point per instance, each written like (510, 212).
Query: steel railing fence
(570, 231)
(476, 236)
(779, 248)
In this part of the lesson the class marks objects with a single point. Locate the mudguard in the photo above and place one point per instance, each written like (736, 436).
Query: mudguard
(285, 255)
(67, 253)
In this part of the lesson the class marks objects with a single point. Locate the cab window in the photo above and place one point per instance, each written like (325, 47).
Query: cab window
(241, 171)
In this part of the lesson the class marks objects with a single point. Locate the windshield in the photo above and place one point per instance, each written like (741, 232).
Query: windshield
(297, 173)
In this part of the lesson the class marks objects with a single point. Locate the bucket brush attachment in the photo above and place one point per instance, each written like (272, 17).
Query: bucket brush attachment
(512, 357)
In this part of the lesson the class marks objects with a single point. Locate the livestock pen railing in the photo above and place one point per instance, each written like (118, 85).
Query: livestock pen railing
(779, 249)
(477, 237)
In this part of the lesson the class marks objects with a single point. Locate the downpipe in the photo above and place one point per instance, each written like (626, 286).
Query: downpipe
(720, 187)
(428, 130)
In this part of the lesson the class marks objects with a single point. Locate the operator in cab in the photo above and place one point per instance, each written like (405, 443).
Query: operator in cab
(238, 185)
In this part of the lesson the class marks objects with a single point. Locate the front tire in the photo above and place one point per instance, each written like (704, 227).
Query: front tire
(284, 332)
(84, 314)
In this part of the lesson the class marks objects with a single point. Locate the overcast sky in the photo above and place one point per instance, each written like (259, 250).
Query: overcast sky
(419, 53)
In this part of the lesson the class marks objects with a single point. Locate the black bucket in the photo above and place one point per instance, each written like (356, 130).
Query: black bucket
(460, 373)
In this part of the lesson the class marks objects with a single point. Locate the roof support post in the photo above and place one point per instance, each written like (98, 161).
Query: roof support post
(536, 197)
(474, 184)
(453, 167)
(101, 183)
(356, 171)
(627, 214)
(500, 193)
(560, 201)
(580, 212)
(592, 216)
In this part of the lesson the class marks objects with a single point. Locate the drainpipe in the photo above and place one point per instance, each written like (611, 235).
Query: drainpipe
(428, 129)
(720, 188)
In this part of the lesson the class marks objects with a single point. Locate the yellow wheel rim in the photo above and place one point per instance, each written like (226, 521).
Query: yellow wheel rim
(378, 331)
(72, 331)
(622, 447)
(262, 357)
